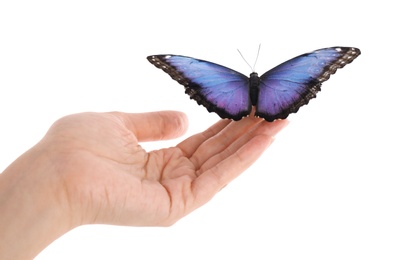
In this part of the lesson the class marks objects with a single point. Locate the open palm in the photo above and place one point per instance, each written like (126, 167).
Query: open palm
(107, 177)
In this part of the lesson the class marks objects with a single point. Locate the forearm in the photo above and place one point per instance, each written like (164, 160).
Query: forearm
(32, 214)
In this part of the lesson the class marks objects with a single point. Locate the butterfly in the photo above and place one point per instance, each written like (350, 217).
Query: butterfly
(276, 94)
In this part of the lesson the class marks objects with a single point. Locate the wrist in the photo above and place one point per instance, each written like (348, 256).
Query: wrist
(33, 210)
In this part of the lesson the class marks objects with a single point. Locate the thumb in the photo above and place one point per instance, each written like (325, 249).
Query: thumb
(160, 125)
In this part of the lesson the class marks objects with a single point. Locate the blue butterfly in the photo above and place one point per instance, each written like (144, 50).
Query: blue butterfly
(277, 93)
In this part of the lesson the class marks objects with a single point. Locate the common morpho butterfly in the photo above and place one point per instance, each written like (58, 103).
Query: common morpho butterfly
(277, 93)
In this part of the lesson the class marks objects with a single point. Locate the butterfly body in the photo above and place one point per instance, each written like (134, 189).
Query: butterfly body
(254, 87)
(277, 93)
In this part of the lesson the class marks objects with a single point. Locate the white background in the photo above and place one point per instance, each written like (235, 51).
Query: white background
(325, 188)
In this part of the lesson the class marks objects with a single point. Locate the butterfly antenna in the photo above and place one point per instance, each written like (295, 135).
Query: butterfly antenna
(257, 56)
(245, 60)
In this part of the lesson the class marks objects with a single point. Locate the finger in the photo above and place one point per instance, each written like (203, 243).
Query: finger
(190, 145)
(160, 125)
(222, 140)
(264, 128)
(213, 180)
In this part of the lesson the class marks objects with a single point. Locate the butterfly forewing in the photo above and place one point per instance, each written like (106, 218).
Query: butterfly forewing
(290, 85)
(220, 89)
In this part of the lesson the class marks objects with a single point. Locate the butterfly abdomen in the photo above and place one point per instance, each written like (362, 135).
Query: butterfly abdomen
(254, 87)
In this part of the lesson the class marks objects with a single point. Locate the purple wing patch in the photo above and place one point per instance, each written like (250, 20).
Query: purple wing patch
(290, 85)
(219, 89)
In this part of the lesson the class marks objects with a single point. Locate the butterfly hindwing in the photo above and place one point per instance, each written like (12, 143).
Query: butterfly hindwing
(290, 85)
(219, 89)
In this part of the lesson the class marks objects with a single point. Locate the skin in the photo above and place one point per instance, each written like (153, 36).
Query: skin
(89, 168)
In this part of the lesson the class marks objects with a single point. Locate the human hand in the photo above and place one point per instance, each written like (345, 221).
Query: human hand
(90, 167)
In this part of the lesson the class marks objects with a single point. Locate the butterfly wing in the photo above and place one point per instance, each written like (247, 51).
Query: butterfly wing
(290, 85)
(219, 89)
